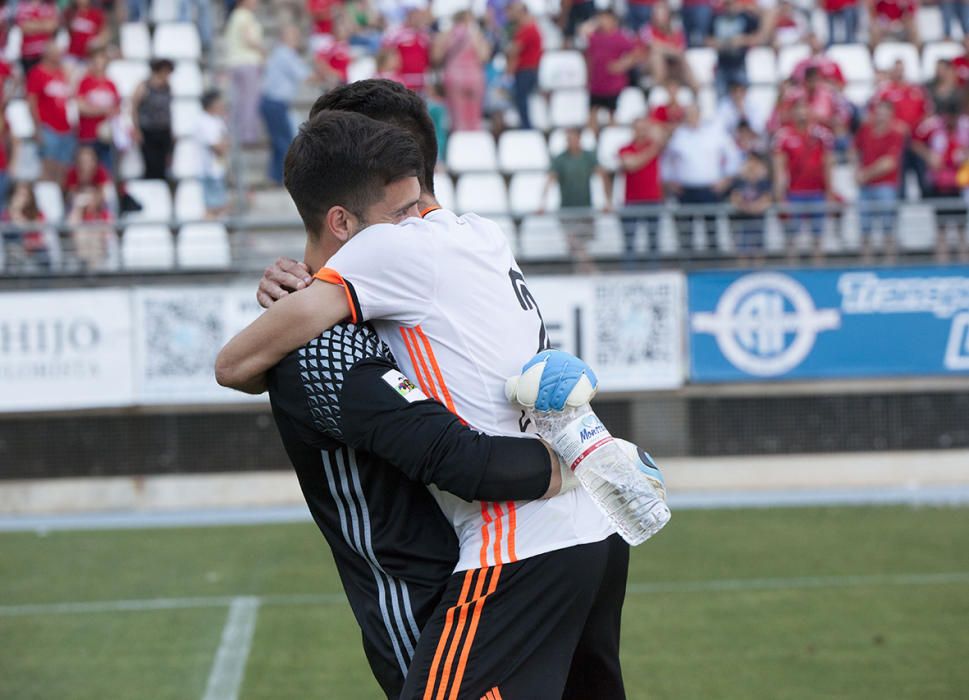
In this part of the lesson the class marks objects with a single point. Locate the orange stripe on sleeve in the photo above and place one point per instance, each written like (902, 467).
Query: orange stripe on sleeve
(496, 693)
(427, 389)
(442, 642)
(512, 557)
(486, 516)
(325, 274)
(472, 630)
(498, 516)
(437, 370)
(458, 630)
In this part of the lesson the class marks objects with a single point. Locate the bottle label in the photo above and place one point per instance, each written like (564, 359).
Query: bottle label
(581, 438)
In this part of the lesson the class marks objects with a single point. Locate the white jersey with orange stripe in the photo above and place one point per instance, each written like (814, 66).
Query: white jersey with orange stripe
(445, 293)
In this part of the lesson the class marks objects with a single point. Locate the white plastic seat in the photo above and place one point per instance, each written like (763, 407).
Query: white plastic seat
(471, 151)
(562, 69)
(703, 63)
(482, 193)
(186, 80)
(558, 141)
(203, 245)
(659, 95)
(762, 100)
(859, 93)
(611, 139)
(788, 57)
(187, 159)
(928, 20)
(445, 9)
(131, 166)
(522, 150)
(887, 52)
(189, 201)
(761, 65)
(362, 68)
(19, 119)
(177, 41)
(525, 194)
(135, 41)
(127, 75)
(50, 200)
(569, 107)
(15, 40)
(552, 39)
(854, 61)
(444, 190)
(147, 247)
(631, 105)
(608, 240)
(155, 199)
(185, 116)
(935, 52)
(542, 238)
(537, 112)
(164, 11)
(539, 8)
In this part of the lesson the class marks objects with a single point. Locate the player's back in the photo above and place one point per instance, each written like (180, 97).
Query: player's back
(448, 297)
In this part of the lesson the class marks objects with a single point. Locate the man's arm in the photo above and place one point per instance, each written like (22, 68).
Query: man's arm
(290, 323)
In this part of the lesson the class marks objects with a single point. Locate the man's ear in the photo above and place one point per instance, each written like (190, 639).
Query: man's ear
(339, 221)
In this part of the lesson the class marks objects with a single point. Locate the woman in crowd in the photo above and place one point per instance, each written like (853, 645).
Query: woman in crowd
(151, 107)
(461, 53)
(25, 240)
(244, 55)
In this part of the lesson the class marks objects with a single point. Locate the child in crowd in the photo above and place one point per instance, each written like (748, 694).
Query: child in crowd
(750, 197)
(213, 138)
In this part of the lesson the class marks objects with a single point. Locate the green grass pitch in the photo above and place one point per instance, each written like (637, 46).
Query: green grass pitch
(786, 603)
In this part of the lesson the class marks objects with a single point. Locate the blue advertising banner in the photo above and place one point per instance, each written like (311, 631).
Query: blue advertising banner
(811, 324)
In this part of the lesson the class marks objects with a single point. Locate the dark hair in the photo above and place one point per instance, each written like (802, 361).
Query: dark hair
(346, 159)
(388, 101)
(159, 64)
(210, 98)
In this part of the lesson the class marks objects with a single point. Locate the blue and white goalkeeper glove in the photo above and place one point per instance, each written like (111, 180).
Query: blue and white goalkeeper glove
(646, 465)
(552, 381)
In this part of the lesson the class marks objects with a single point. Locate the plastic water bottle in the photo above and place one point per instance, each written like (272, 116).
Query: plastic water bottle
(617, 486)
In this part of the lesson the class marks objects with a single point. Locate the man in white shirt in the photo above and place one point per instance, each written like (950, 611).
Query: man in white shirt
(213, 140)
(699, 162)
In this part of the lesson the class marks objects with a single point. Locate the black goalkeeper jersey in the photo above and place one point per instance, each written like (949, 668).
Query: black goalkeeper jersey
(364, 443)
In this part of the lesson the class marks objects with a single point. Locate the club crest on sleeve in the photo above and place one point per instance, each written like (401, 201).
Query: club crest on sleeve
(404, 386)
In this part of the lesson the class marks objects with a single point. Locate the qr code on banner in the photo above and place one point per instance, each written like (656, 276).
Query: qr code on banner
(182, 336)
(634, 322)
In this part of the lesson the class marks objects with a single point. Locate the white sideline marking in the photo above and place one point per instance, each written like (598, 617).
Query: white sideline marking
(740, 584)
(229, 667)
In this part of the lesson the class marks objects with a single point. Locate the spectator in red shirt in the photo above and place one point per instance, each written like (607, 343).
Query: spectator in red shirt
(892, 19)
(321, 12)
(843, 14)
(911, 107)
(38, 21)
(957, 10)
(829, 70)
(640, 161)
(87, 29)
(609, 56)
(97, 102)
(524, 55)
(86, 172)
(48, 92)
(879, 146)
(961, 63)
(333, 55)
(90, 219)
(413, 43)
(802, 156)
(662, 47)
(942, 142)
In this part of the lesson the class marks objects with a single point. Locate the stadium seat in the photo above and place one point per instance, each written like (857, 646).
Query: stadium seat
(522, 150)
(539, 8)
(887, 52)
(482, 193)
(599, 191)
(611, 139)
(703, 63)
(135, 41)
(187, 159)
(935, 52)
(929, 23)
(557, 141)
(131, 166)
(177, 41)
(631, 105)
(445, 9)
(843, 182)
(789, 57)
(203, 245)
(761, 66)
(764, 97)
(854, 61)
(525, 194)
(569, 108)
(707, 102)
(362, 68)
(189, 201)
(15, 38)
(859, 93)
(155, 199)
(559, 70)
(50, 200)
(164, 11)
(659, 95)
(19, 119)
(542, 238)
(608, 240)
(127, 75)
(552, 39)
(444, 190)
(471, 151)
(537, 112)
(147, 247)
(187, 80)
(185, 115)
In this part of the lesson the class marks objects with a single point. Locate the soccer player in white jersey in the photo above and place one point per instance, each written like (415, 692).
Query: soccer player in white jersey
(534, 605)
